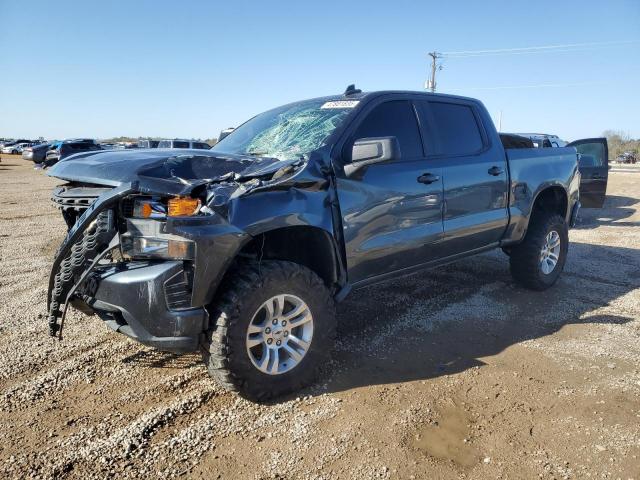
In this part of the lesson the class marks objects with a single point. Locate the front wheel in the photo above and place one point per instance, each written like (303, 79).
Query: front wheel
(539, 260)
(273, 327)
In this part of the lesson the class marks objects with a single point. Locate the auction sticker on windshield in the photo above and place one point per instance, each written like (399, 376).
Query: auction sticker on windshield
(341, 104)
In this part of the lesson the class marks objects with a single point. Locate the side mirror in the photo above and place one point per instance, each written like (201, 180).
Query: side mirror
(367, 151)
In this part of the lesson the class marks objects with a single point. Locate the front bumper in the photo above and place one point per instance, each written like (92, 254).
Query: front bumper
(140, 300)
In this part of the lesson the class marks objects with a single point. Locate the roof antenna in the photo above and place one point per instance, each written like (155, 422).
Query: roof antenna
(352, 90)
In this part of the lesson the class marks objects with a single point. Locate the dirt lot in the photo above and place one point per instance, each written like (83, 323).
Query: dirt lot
(452, 373)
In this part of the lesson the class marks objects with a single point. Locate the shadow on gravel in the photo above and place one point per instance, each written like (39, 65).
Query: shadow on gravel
(444, 321)
(616, 208)
(159, 359)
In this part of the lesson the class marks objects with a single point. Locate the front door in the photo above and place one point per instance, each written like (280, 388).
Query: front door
(593, 163)
(391, 211)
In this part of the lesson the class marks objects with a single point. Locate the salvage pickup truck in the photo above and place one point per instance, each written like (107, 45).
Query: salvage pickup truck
(241, 251)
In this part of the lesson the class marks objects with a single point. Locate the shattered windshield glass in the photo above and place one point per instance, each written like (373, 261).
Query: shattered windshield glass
(288, 132)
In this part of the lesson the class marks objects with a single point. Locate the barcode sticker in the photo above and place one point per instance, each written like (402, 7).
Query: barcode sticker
(341, 104)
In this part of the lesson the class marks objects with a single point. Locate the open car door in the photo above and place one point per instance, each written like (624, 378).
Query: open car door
(593, 163)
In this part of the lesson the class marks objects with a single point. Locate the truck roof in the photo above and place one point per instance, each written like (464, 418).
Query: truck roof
(361, 95)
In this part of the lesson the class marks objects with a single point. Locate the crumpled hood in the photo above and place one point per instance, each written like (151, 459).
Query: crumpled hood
(183, 167)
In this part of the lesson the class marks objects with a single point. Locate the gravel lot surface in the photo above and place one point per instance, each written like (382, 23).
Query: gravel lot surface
(451, 373)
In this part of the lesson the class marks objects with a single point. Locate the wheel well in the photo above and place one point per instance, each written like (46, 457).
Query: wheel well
(552, 200)
(308, 246)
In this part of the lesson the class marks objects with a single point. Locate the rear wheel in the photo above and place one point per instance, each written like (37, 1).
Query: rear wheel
(539, 260)
(273, 327)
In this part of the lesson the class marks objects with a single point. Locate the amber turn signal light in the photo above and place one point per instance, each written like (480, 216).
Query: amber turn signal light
(183, 206)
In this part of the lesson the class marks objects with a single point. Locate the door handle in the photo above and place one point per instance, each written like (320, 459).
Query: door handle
(495, 171)
(428, 178)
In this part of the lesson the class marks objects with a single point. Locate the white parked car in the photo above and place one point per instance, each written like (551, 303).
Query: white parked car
(16, 148)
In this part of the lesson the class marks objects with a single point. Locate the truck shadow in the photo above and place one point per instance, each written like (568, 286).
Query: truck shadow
(158, 359)
(445, 321)
(616, 208)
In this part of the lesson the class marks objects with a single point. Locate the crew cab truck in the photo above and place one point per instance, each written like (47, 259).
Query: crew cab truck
(241, 251)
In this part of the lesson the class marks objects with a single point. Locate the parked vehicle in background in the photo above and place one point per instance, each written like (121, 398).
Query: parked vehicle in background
(11, 147)
(67, 148)
(15, 148)
(182, 143)
(626, 157)
(544, 140)
(36, 153)
(241, 251)
(148, 143)
(124, 145)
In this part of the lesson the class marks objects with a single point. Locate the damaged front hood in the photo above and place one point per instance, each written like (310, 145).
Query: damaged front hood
(163, 166)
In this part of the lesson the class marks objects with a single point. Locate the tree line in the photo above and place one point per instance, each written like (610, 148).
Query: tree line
(621, 142)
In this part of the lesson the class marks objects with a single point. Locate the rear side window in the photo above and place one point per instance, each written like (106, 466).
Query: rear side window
(393, 119)
(180, 144)
(453, 128)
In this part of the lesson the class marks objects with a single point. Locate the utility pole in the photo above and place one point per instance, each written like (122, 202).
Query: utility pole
(431, 83)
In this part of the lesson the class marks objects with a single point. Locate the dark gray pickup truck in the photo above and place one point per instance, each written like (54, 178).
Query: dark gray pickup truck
(241, 251)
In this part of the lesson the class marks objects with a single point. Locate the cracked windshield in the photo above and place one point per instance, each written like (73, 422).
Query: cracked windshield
(289, 132)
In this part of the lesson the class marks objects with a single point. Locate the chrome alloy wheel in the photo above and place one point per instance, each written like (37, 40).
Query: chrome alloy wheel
(279, 335)
(550, 252)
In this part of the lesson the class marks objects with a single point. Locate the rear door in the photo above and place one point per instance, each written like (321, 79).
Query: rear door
(593, 163)
(474, 172)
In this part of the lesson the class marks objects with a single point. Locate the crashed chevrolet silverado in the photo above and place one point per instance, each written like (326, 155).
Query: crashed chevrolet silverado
(241, 251)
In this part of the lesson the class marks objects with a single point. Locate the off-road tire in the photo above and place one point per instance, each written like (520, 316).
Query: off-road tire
(223, 346)
(524, 260)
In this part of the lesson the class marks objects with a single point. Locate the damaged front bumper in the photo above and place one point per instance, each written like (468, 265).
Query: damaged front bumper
(149, 302)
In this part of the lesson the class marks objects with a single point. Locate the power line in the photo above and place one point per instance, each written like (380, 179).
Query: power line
(538, 85)
(568, 47)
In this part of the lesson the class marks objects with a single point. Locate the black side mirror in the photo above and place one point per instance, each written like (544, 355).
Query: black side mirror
(367, 151)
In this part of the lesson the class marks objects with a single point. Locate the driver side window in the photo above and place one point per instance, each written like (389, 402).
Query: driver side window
(393, 119)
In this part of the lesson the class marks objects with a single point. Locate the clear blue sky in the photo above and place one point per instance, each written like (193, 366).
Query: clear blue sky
(189, 69)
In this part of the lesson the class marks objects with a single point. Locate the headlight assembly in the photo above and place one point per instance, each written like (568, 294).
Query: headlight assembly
(144, 236)
(157, 247)
(149, 208)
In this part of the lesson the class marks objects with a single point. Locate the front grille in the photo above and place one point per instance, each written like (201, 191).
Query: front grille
(76, 199)
(177, 292)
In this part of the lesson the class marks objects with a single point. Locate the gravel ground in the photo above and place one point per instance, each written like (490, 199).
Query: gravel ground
(451, 373)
